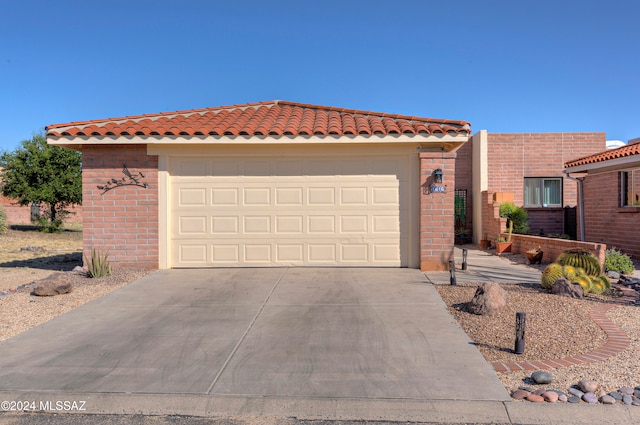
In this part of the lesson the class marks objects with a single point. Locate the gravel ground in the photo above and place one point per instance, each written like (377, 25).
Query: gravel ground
(20, 311)
(556, 327)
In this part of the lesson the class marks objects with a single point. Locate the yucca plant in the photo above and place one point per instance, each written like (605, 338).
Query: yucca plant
(99, 265)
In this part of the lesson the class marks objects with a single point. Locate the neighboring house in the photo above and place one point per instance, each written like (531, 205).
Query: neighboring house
(610, 210)
(268, 184)
(528, 166)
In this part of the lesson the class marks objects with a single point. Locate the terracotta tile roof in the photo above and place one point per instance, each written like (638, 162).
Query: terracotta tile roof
(620, 152)
(274, 118)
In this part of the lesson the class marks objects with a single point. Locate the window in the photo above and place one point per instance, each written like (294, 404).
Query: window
(630, 188)
(543, 192)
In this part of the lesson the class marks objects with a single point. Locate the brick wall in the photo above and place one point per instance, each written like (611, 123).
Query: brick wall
(436, 212)
(17, 214)
(552, 247)
(124, 220)
(512, 157)
(604, 220)
(546, 221)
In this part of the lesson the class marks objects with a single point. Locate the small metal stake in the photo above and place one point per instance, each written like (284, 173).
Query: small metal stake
(521, 321)
(464, 258)
(452, 272)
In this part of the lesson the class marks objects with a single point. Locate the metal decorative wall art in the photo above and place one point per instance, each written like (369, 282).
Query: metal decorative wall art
(129, 179)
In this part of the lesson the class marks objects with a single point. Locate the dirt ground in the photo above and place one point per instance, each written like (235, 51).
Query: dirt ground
(27, 255)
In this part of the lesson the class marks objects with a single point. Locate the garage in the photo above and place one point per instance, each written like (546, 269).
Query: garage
(268, 184)
(232, 211)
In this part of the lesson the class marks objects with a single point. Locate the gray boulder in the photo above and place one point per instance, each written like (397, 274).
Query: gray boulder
(55, 284)
(488, 299)
(567, 289)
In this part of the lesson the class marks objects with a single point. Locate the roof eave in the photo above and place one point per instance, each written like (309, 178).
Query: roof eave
(604, 166)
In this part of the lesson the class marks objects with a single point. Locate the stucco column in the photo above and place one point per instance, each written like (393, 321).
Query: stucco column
(437, 211)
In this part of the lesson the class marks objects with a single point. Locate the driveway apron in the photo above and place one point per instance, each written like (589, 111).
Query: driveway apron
(273, 332)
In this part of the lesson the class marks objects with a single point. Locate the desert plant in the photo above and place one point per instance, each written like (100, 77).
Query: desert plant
(551, 273)
(99, 265)
(586, 283)
(617, 261)
(582, 258)
(600, 284)
(3, 220)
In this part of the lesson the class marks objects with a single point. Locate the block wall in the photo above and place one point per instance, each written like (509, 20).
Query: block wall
(124, 220)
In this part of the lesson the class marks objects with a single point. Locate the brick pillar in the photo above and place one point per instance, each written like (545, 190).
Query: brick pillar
(437, 211)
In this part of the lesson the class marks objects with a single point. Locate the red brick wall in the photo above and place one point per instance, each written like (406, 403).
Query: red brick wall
(17, 214)
(546, 221)
(436, 212)
(605, 221)
(512, 157)
(552, 247)
(124, 220)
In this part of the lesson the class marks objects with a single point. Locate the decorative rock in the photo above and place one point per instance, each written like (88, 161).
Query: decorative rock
(535, 398)
(519, 394)
(573, 399)
(50, 289)
(611, 274)
(541, 377)
(627, 399)
(588, 386)
(635, 403)
(524, 387)
(625, 390)
(636, 392)
(607, 399)
(590, 397)
(539, 392)
(550, 396)
(563, 398)
(558, 392)
(616, 395)
(567, 289)
(487, 300)
(576, 392)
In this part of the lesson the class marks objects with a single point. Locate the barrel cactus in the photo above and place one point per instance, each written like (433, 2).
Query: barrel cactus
(586, 283)
(551, 273)
(601, 284)
(582, 258)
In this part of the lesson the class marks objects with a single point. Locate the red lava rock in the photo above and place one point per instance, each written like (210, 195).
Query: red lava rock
(519, 394)
(535, 398)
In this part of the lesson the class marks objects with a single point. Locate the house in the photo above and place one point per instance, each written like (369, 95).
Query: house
(268, 184)
(527, 168)
(609, 210)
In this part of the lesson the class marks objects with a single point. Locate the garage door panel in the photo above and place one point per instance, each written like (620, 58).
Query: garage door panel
(287, 211)
(225, 225)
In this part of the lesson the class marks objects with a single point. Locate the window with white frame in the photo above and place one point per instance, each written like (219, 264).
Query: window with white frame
(630, 188)
(543, 191)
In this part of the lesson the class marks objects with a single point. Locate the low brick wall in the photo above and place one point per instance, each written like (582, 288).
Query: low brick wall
(553, 247)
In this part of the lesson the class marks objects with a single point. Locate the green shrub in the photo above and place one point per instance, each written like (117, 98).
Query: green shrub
(3, 220)
(618, 262)
(517, 217)
(99, 265)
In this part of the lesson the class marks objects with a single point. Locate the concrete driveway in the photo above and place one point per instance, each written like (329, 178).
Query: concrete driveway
(290, 341)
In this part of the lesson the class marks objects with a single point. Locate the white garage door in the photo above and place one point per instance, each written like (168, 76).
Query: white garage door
(331, 211)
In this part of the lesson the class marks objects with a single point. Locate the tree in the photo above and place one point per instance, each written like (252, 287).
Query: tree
(43, 174)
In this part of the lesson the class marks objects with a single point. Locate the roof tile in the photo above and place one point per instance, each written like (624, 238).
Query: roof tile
(275, 118)
(621, 152)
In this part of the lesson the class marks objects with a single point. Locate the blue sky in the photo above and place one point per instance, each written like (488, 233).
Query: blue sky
(505, 66)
